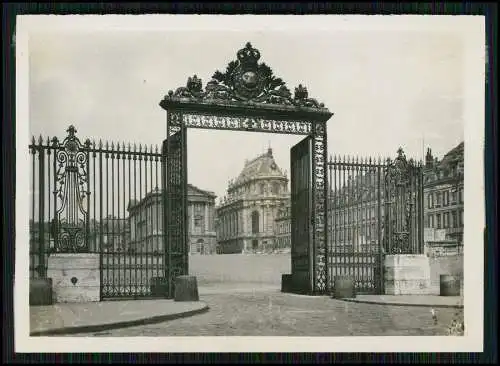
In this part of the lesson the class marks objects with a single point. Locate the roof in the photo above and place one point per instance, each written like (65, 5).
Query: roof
(262, 166)
(192, 191)
(453, 156)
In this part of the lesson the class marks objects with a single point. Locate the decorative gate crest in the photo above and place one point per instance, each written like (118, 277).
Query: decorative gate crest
(69, 228)
(401, 191)
(245, 80)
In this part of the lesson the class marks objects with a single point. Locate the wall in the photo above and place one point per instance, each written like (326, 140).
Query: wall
(452, 265)
(239, 268)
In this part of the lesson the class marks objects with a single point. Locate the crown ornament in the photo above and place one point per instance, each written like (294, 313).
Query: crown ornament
(244, 80)
(248, 56)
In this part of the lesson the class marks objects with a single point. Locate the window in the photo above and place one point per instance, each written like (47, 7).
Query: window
(255, 222)
(454, 219)
(438, 221)
(429, 200)
(461, 195)
(431, 220)
(276, 188)
(428, 221)
(453, 197)
(446, 219)
(438, 199)
(197, 221)
(446, 198)
(461, 217)
(261, 189)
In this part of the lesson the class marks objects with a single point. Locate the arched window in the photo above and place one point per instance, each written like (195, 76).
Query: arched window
(255, 222)
(276, 188)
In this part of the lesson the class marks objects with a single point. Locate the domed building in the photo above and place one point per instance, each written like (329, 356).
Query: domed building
(246, 215)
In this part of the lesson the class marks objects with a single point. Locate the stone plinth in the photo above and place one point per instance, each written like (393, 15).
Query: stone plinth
(407, 274)
(75, 277)
(186, 289)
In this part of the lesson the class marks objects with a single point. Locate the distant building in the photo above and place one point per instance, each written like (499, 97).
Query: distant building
(146, 222)
(356, 206)
(283, 228)
(115, 234)
(246, 216)
(444, 193)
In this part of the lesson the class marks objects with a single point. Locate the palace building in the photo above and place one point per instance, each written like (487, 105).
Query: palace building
(246, 215)
(283, 228)
(444, 193)
(146, 222)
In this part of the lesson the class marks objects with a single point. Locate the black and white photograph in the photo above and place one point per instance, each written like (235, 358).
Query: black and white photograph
(249, 183)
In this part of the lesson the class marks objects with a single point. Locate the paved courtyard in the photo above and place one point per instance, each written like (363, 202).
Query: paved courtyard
(264, 311)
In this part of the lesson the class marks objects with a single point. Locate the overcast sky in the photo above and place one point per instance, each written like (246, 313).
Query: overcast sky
(386, 89)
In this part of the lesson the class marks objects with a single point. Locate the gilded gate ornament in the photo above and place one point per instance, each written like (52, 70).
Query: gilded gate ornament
(245, 80)
(399, 197)
(72, 192)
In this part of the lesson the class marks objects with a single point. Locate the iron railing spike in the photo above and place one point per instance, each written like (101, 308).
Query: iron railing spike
(100, 144)
(33, 141)
(107, 145)
(40, 140)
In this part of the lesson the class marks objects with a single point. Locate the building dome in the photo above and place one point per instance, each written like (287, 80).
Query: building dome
(263, 166)
(246, 216)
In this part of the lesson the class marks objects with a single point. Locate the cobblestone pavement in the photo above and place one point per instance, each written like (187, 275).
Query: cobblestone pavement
(271, 313)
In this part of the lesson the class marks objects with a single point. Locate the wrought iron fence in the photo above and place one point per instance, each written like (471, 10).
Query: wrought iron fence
(375, 208)
(99, 197)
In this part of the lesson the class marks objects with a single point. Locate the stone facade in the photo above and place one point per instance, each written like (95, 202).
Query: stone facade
(283, 228)
(444, 193)
(146, 222)
(246, 216)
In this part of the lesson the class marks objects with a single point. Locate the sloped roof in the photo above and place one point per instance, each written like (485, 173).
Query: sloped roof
(262, 166)
(193, 190)
(453, 156)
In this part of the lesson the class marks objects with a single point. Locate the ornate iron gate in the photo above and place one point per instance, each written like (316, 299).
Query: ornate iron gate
(101, 198)
(248, 97)
(175, 201)
(376, 208)
(301, 213)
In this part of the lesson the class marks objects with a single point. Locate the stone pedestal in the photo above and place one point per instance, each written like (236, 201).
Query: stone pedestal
(407, 274)
(186, 289)
(75, 277)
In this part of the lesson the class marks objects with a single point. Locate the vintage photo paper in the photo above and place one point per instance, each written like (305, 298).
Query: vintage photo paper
(249, 183)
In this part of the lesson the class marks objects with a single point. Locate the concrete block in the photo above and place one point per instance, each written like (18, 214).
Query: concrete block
(75, 277)
(407, 275)
(186, 289)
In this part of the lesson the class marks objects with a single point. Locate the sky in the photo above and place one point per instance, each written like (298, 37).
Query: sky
(386, 89)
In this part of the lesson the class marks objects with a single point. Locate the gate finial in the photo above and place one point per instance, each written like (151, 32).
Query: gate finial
(71, 130)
